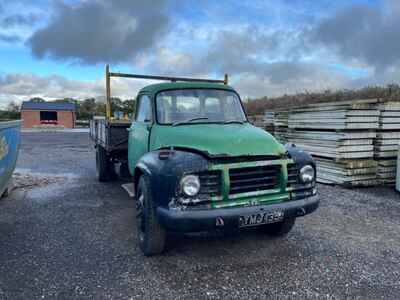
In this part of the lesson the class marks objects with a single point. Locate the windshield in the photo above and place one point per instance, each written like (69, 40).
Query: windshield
(198, 105)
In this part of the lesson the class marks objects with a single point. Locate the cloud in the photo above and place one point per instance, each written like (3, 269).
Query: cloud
(288, 78)
(101, 31)
(23, 86)
(173, 62)
(239, 49)
(260, 61)
(363, 34)
(307, 49)
(251, 49)
(9, 38)
(352, 47)
(19, 20)
(54, 86)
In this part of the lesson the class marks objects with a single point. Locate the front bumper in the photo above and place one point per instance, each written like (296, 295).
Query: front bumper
(204, 220)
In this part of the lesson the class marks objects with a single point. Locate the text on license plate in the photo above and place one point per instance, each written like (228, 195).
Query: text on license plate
(261, 218)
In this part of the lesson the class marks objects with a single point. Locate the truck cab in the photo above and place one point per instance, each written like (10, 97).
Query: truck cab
(197, 164)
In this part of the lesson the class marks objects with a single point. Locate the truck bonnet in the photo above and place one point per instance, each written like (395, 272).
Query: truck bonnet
(218, 139)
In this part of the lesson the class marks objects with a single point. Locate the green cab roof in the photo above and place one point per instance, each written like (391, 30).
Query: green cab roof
(158, 87)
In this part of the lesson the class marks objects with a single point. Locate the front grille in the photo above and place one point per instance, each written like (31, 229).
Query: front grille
(210, 182)
(252, 179)
(293, 174)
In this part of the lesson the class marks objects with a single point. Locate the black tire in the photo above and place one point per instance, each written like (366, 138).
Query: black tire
(104, 167)
(150, 234)
(124, 171)
(6, 192)
(278, 229)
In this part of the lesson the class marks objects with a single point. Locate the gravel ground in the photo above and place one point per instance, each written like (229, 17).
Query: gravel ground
(74, 238)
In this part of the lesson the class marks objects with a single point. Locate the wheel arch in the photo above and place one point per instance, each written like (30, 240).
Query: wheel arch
(164, 172)
(139, 171)
(300, 156)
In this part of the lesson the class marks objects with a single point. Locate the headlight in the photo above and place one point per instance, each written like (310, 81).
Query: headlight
(307, 174)
(190, 185)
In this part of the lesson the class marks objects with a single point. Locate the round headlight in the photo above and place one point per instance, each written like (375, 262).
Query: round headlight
(307, 174)
(190, 185)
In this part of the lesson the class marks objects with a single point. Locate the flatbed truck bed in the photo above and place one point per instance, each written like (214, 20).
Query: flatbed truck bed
(111, 135)
(111, 142)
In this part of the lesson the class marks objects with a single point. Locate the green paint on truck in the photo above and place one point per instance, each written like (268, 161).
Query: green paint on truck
(218, 139)
(198, 164)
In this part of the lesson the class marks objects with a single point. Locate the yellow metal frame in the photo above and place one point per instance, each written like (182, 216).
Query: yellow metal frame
(168, 78)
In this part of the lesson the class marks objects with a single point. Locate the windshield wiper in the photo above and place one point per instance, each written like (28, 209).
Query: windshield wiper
(189, 121)
(233, 122)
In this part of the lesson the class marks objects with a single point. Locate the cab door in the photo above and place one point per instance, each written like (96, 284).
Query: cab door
(139, 132)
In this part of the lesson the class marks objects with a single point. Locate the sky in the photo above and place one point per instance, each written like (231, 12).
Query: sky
(58, 49)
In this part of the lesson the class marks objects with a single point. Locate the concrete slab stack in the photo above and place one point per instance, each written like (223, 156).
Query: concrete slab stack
(281, 126)
(357, 115)
(387, 141)
(349, 172)
(335, 145)
(269, 120)
(340, 137)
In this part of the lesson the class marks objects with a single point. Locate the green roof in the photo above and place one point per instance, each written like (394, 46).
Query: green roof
(155, 88)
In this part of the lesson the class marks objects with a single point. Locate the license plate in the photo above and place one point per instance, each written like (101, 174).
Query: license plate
(261, 218)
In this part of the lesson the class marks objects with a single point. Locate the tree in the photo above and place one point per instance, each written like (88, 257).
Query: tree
(86, 109)
(128, 106)
(11, 112)
(258, 106)
(13, 107)
(116, 104)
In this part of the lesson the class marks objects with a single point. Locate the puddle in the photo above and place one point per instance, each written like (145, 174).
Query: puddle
(24, 179)
(31, 181)
(41, 186)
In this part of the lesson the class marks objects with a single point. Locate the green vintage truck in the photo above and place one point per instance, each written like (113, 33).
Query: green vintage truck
(197, 164)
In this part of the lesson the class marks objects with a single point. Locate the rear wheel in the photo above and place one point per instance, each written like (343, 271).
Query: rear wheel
(151, 235)
(124, 171)
(278, 229)
(104, 167)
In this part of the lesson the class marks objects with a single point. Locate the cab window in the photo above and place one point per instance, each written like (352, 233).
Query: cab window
(211, 105)
(144, 109)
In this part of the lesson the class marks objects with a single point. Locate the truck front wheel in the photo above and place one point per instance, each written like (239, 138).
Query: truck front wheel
(151, 235)
(278, 229)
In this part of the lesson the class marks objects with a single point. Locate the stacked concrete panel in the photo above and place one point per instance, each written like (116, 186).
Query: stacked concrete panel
(281, 126)
(361, 115)
(340, 137)
(336, 144)
(269, 120)
(387, 141)
(351, 172)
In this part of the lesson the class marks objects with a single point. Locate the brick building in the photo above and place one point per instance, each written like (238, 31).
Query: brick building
(48, 113)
